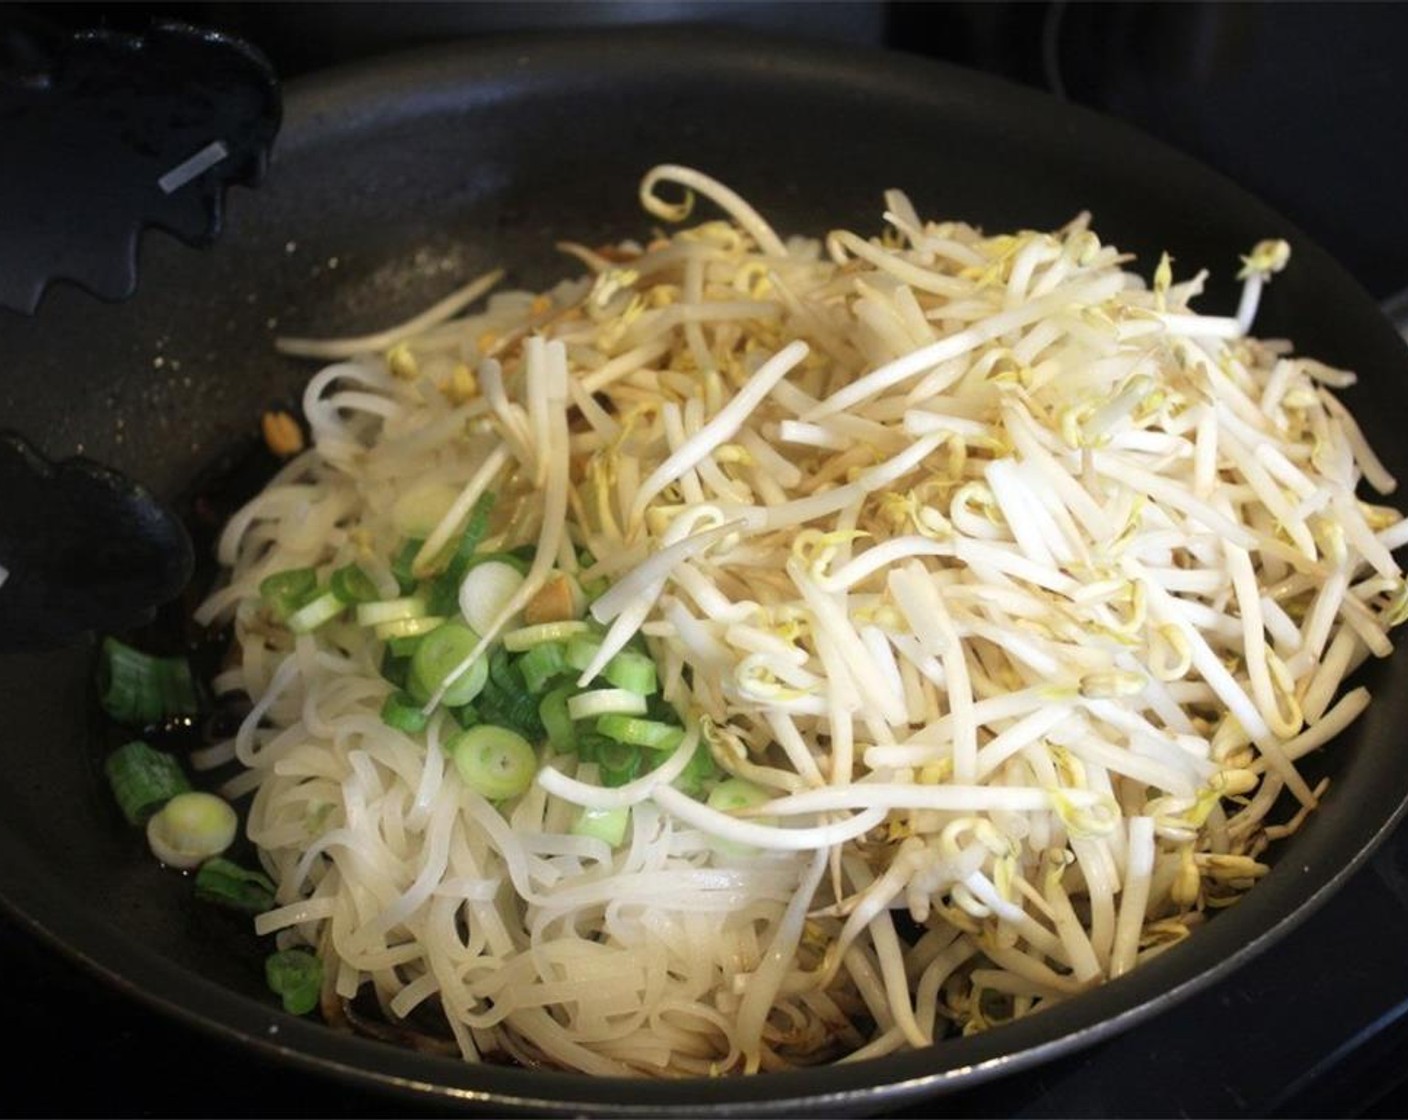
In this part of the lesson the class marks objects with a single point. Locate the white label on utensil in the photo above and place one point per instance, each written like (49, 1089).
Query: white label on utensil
(188, 169)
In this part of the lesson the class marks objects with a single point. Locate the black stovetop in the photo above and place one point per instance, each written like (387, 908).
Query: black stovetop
(1305, 105)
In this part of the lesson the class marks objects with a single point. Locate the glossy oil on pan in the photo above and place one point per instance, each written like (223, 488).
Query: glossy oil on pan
(393, 181)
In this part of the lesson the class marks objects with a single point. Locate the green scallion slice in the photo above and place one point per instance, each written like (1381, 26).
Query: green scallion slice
(284, 592)
(605, 701)
(557, 722)
(401, 711)
(401, 565)
(526, 637)
(390, 610)
(226, 883)
(475, 530)
(138, 689)
(404, 645)
(540, 665)
(440, 652)
(396, 670)
(515, 709)
(494, 762)
(640, 732)
(604, 824)
(635, 672)
(730, 795)
(582, 650)
(590, 744)
(699, 773)
(504, 673)
(442, 594)
(467, 715)
(407, 627)
(737, 793)
(296, 977)
(352, 585)
(618, 763)
(143, 780)
(309, 617)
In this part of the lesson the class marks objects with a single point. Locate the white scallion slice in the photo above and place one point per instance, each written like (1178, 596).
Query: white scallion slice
(407, 627)
(486, 590)
(390, 610)
(605, 701)
(526, 637)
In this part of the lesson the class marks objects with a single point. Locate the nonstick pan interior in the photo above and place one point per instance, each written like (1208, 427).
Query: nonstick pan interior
(393, 181)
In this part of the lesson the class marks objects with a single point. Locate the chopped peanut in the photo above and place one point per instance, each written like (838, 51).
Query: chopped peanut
(558, 600)
(282, 434)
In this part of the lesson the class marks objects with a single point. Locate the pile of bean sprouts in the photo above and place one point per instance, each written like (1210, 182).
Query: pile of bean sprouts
(1019, 585)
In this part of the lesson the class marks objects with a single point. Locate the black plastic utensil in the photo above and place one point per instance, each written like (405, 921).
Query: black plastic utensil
(109, 134)
(103, 136)
(82, 548)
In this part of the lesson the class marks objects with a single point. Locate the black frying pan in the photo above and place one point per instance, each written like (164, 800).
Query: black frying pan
(418, 172)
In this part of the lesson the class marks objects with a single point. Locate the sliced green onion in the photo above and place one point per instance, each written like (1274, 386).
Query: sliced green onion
(699, 772)
(407, 627)
(442, 594)
(635, 672)
(640, 732)
(518, 711)
(402, 645)
(467, 715)
(494, 761)
(526, 637)
(618, 763)
(138, 689)
(226, 883)
(284, 592)
(732, 794)
(504, 673)
(604, 824)
(737, 793)
(324, 608)
(557, 722)
(506, 700)
(143, 780)
(438, 655)
(590, 744)
(390, 610)
(475, 530)
(540, 665)
(582, 650)
(190, 828)
(594, 589)
(296, 977)
(605, 701)
(403, 713)
(352, 585)
(395, 669)
(401, 565)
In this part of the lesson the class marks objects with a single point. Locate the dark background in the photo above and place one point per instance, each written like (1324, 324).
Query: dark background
(1303, 104)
